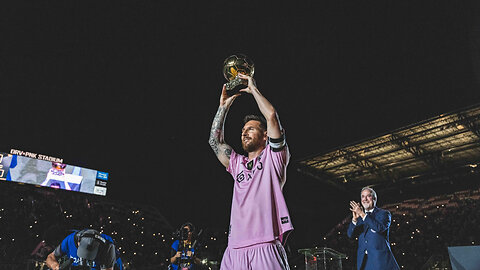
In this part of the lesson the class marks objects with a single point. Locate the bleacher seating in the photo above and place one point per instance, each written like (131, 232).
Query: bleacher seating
(34, 220)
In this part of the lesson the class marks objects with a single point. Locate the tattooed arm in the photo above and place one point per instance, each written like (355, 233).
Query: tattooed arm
(221, 149)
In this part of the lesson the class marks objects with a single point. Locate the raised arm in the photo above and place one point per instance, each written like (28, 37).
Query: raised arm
(52, 262)
(274, 129)
(216, 140)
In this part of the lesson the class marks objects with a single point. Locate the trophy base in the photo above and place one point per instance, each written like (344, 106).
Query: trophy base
(234, 86)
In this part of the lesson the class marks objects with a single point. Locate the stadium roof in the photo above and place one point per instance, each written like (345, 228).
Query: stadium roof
(425, 152)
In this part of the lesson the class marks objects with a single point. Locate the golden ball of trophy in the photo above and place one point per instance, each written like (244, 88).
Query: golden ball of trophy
(232, 66)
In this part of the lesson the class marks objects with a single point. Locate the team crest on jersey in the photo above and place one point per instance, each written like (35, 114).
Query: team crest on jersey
(284, 220)
(249, 165)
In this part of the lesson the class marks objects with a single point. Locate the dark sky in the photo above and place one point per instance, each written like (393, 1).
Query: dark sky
(131, 87)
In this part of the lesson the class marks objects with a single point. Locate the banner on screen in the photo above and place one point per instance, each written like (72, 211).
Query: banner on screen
(52, 174)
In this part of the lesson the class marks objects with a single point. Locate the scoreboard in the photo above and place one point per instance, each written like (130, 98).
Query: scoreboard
(22, 169)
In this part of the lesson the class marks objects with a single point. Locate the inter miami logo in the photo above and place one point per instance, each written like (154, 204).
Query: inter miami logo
(250, 165)
(284, 220)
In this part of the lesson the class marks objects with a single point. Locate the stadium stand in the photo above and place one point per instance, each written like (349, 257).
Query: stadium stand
(34, 220)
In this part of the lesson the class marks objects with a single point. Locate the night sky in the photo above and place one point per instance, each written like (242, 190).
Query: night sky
(131, 88)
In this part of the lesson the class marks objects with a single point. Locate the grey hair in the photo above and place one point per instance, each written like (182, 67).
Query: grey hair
(374, 194)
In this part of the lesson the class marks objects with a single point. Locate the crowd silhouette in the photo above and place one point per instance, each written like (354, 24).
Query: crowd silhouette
(34, 220)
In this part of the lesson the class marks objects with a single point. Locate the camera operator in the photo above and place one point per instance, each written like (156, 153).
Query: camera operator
(183, 249)
(88, 249)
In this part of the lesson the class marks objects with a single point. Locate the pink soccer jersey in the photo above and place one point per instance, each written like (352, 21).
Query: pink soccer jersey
(259, 212)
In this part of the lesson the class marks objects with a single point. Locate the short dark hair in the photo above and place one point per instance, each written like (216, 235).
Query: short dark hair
(261, 119)
(190, 226)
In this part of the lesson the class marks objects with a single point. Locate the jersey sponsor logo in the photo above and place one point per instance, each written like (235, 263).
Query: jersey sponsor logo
(284, 220)
(240, 177)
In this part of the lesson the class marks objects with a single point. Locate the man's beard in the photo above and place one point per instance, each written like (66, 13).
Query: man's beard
(250, 146)
(367, 206)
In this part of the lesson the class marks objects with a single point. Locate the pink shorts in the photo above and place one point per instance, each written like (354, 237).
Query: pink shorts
(269, 256)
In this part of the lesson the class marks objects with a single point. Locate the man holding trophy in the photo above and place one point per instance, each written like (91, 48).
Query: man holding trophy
(259, 222)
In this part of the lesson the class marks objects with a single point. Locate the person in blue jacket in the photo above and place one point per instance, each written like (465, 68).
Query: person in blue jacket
(118, 261)
(86, 248)
(372, 226)
(183, 249)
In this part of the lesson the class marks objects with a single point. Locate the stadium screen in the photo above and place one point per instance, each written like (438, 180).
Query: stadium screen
(56, 175)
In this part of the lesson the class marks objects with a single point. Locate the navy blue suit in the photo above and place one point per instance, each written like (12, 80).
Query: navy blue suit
(373, 234)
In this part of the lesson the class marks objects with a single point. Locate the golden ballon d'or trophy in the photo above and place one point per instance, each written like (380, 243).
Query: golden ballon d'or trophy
(234, 65)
